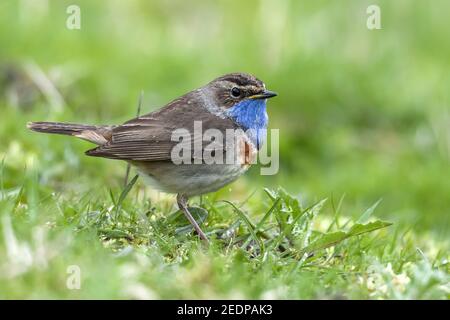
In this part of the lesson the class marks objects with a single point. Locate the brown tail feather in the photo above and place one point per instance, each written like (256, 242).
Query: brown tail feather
(59, 127)
(96, 134)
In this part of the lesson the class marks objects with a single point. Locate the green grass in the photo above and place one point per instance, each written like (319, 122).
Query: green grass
(270, 246)
(364, 123)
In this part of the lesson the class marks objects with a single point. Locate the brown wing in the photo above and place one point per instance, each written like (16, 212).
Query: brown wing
(145, 141)
(148, 138)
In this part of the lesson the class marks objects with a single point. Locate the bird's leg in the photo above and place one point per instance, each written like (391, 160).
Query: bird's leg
(182, 204)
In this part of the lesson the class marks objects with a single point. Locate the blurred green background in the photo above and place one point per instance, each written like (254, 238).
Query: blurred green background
(362, 113)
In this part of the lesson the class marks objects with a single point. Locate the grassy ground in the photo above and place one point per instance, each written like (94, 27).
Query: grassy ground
(359, 209)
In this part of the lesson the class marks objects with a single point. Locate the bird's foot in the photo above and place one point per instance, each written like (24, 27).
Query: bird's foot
(182, 204)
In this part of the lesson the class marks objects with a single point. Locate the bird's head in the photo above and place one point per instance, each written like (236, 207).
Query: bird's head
(231, 89)
(242, 97)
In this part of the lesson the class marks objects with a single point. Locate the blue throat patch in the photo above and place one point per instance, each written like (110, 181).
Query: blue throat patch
(251, 115)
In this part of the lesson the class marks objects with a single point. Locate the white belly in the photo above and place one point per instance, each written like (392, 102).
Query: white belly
(196, 179)
(189, 179)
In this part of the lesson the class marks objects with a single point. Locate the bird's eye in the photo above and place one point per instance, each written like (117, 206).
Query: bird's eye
(235, 92)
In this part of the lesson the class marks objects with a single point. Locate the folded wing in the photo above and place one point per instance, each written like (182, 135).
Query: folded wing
(149, 137)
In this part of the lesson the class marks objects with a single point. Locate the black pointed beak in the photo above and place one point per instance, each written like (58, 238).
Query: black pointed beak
(265, 95)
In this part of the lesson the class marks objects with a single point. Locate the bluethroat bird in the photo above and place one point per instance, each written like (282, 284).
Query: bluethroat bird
(235, 101)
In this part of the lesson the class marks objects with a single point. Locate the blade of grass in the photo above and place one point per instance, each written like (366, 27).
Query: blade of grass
(366, 215)
(283, 232)
(124, 194)
(337, 212)
(127, 173)
(331, 239)
(263, 220)
(248, 223)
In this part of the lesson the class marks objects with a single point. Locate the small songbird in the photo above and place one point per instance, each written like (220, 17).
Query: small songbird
(235, 101)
